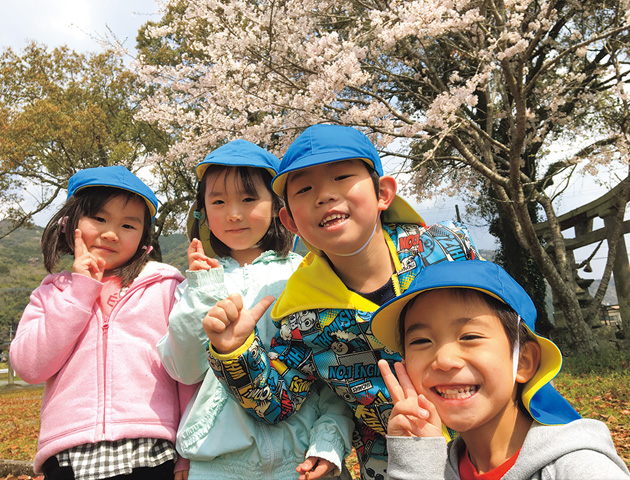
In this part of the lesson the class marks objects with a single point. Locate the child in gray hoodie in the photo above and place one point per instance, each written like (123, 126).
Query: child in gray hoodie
(473, 363)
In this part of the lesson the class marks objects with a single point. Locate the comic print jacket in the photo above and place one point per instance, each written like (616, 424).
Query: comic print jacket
(324, 332)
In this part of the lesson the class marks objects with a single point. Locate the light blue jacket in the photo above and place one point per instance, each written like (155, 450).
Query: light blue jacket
(219, 437)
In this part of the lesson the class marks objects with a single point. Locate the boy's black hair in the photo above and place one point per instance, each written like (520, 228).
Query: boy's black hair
(376, 181)
(276, 238)
(58, 240)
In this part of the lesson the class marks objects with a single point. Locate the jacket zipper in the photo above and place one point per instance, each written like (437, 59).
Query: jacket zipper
(105, 329)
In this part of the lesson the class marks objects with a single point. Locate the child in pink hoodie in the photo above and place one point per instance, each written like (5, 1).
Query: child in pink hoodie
(109, 410)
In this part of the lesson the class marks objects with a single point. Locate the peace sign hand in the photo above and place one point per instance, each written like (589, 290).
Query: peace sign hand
(413, 415)
(86, 263)
(197, 259)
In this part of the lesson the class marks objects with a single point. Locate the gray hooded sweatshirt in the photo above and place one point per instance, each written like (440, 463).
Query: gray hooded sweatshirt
(582, 449)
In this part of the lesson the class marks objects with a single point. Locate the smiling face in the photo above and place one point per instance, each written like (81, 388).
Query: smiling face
(457, 353)
(237, 218)
(115, 231)
(334, 206)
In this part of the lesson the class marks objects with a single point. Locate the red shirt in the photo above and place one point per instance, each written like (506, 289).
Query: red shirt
(467, 470)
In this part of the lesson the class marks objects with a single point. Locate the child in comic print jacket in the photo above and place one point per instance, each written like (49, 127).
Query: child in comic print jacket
(323, 314)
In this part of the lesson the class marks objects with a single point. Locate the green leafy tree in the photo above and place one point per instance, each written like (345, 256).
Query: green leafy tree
(60, 112)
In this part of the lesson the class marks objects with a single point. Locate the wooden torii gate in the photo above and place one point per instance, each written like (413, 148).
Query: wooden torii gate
(605, 207)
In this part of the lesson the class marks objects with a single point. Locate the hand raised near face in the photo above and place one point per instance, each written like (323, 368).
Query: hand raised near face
(228, 324)
(86, 263)
(197, 259)
(413, 415)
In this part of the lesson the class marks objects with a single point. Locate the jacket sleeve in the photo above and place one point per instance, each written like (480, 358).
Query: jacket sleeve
(270, 385)
(185, 393)
(55, 318)
(417, 458)
(331, 434)
(580, 449)
(183, 348)
(590, 464)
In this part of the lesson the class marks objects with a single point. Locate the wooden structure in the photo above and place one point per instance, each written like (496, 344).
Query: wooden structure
(605, 207)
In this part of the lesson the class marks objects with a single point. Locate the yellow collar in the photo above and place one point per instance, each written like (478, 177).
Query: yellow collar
(315, 285)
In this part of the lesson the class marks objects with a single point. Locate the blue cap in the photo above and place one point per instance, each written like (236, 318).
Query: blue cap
(542, 401)
(237, 153)
(321, 144)
(116, 177)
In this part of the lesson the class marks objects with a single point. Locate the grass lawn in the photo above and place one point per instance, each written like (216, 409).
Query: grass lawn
(597, 388)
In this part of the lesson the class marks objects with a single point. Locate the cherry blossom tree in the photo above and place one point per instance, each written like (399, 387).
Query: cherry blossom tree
(471, 95)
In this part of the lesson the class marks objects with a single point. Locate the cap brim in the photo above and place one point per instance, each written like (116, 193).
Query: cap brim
(385, 321)
(149, 203)
(203, 166)
(204, 230)
(279, 182)
(543, 402)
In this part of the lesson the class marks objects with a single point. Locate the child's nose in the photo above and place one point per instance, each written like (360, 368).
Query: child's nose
(234, 214)
(446, 358)
(326, 194)
(110, 235)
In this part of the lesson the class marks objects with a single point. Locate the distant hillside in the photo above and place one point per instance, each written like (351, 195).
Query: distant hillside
(21, 261)
(174, 249)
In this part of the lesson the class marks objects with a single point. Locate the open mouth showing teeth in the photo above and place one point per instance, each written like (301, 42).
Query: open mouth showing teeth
(456, 393)
(333, 219)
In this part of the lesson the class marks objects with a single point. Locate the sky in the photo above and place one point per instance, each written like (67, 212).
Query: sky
(76, 23)
(83, 24)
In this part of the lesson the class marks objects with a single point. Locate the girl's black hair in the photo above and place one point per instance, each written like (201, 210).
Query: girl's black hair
(277, 238)
(58, 236)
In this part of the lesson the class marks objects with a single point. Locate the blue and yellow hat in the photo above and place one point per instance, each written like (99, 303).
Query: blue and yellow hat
(116, 177)
(321, 144)
(237, 153)
(542, 401)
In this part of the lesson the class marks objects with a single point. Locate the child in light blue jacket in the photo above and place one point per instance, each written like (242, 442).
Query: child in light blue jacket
(239, 246)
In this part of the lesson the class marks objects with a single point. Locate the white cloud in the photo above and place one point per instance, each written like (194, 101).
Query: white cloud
(76, 23)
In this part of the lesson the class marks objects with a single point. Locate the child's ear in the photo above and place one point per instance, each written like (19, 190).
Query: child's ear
(288, 221)
(387, 192)
(528, 362)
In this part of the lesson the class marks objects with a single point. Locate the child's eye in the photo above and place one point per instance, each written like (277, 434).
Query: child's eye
(128, 227)
(302, 190)
(343, 177)
(420, 341)
(217, 202)
(249, 199)
(471, 336)
(99, 219)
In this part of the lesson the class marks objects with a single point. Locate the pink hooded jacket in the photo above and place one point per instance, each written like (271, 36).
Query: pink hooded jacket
(104, 378)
